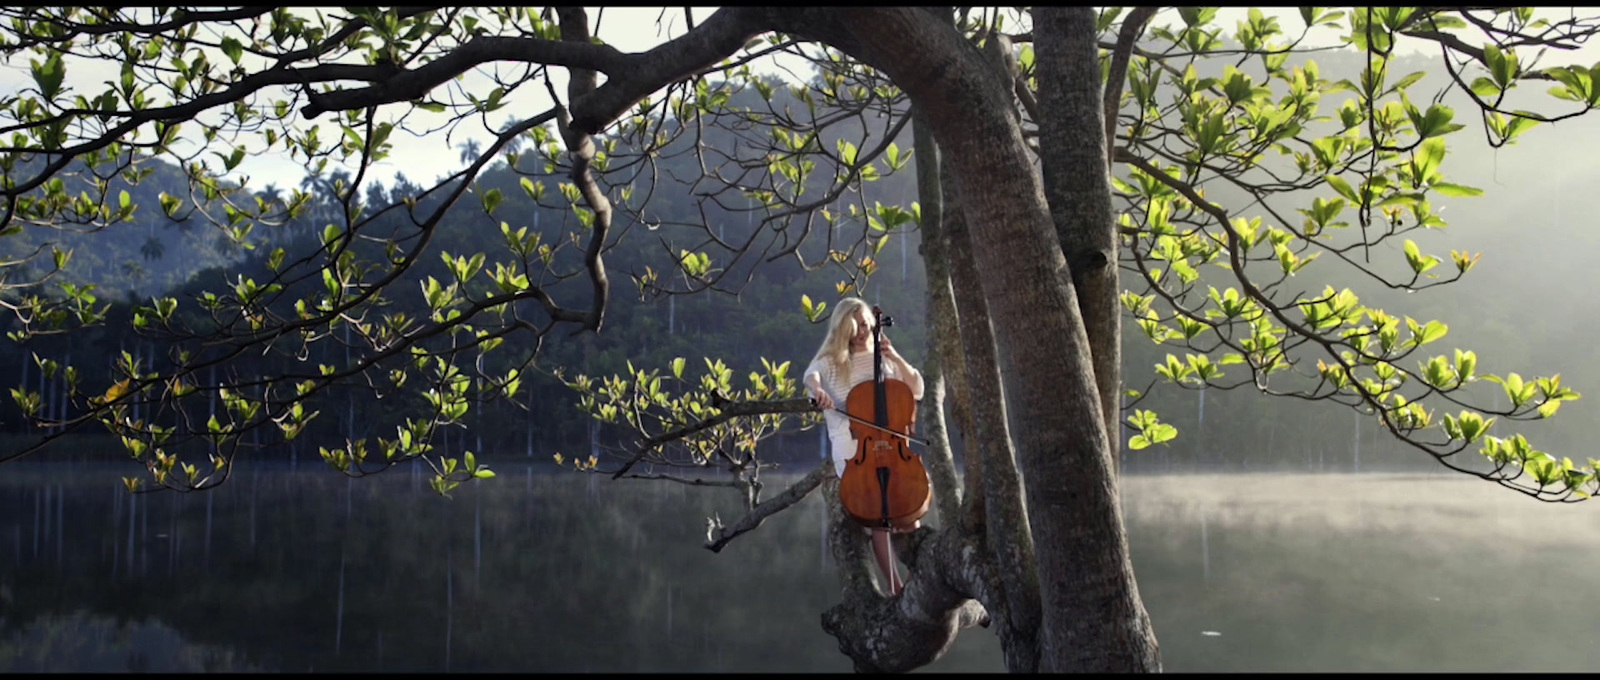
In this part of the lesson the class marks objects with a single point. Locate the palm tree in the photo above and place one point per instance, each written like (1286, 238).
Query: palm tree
(270, 195)
(515, 144)
(469, 150)
(153, 249)
(135, 272)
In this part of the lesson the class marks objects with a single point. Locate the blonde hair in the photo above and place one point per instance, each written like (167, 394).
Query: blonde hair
(835, 349)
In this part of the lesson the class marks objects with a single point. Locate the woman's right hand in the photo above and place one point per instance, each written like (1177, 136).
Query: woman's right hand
(822, 399)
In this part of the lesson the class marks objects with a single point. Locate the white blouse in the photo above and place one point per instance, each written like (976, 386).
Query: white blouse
(838, 383)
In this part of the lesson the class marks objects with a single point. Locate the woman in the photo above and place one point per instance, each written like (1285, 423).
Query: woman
(843, 361)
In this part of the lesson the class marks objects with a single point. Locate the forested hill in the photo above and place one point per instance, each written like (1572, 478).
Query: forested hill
(758, 317)
(149, 253)
(1534, 236)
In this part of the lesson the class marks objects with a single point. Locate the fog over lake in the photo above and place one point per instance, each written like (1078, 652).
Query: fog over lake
(291, 571)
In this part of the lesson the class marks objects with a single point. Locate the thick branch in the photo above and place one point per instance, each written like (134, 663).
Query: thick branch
(180, 19)
(713, 40)
(989, 444)
(413, 84)
(630, 77)
(943, 362)
(580, 83)
(902, 633)
(1077, 188)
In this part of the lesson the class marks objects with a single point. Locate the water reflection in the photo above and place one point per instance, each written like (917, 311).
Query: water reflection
(93, 643)
(1362, 573)
(287, 571)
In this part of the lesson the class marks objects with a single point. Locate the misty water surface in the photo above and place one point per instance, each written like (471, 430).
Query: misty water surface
(284, 571)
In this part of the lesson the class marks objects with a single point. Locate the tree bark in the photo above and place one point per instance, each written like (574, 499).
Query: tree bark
(898, 634)
(1005, 529)
(848, 546)
(1080, 200)
(1093, 619)
(943, 364)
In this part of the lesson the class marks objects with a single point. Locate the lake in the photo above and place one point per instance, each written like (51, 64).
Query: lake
(284, 570)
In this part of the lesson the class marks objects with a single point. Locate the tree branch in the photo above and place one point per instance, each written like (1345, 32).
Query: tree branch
(180, 19)
(718, 536)
(581, 82)
(1455, 42)
(686, 481)
(913, 629)
(1129, 34)
(727, 410)
(709, 42)
(412, 84)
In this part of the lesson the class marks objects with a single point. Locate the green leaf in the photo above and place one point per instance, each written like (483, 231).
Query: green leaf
(1310, 15)
(847, 152)
(1456, 190)
(1343, 188)
(1197, 16)
(1164, 432)
(1425, 164)
(234, 50)
(1432, 331)
(49, 75)
(1419, 262)
(1502, 64)
(491, 200)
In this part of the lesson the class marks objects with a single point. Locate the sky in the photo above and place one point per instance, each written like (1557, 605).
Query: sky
(423, 158)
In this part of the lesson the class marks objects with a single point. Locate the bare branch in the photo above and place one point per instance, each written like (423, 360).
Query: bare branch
(718, 536)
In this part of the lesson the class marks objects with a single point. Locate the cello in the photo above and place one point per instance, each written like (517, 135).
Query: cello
(885, 485)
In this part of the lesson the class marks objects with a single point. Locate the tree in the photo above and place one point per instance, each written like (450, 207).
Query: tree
(1023, 262)
(152, 249)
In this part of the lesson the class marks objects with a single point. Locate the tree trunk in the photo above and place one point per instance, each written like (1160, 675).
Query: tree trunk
(943, 363)
(1080, 200)
(898, 634)
(1006, 519)
(1093, 619)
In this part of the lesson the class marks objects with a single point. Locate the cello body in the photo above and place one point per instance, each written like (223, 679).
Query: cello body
(885, 485)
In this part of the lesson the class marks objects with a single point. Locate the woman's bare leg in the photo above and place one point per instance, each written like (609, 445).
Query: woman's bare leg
(882, 550)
